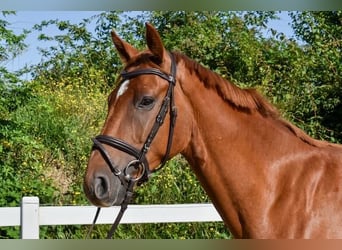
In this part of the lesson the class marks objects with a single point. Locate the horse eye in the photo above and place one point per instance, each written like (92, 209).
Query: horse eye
(147, 102)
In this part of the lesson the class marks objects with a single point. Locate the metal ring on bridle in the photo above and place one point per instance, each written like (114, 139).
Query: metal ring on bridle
(138, 166)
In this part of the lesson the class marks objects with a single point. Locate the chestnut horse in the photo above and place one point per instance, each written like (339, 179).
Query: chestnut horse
(265, 176)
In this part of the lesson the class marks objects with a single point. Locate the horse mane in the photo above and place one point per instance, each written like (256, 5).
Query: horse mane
(245, 100)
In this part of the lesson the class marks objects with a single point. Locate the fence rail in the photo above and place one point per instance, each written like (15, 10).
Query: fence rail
(30, 215)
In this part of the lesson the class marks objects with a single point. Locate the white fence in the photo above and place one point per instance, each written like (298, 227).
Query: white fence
(30, 215)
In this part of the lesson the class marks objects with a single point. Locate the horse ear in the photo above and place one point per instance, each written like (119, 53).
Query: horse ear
(126, 51)
(154, 43)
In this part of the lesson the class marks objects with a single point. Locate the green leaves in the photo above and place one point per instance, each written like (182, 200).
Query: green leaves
(11, 45)
(76, 50)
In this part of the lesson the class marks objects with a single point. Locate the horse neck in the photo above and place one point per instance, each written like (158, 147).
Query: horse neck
(230, 151)
(222, 131)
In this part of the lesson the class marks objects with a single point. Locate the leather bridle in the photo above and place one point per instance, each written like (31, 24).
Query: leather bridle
(140, 164)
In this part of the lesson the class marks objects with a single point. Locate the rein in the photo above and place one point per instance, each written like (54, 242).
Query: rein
(140, 163)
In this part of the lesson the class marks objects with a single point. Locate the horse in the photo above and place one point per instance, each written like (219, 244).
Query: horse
(266, 177)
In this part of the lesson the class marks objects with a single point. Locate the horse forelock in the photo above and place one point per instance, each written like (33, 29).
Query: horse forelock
(144, 58)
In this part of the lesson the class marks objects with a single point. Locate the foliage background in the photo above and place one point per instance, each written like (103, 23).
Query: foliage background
(46, 121)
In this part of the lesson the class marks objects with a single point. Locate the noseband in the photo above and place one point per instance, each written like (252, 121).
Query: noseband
(140, 163)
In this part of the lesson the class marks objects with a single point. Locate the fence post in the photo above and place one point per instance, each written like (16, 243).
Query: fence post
(29, 219)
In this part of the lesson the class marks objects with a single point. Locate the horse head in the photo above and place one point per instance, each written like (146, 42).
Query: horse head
(140, 132)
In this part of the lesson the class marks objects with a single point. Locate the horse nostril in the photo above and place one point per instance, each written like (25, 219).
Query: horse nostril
(101, 187)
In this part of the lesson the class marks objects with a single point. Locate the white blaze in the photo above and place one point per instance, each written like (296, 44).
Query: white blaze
(122, 89)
